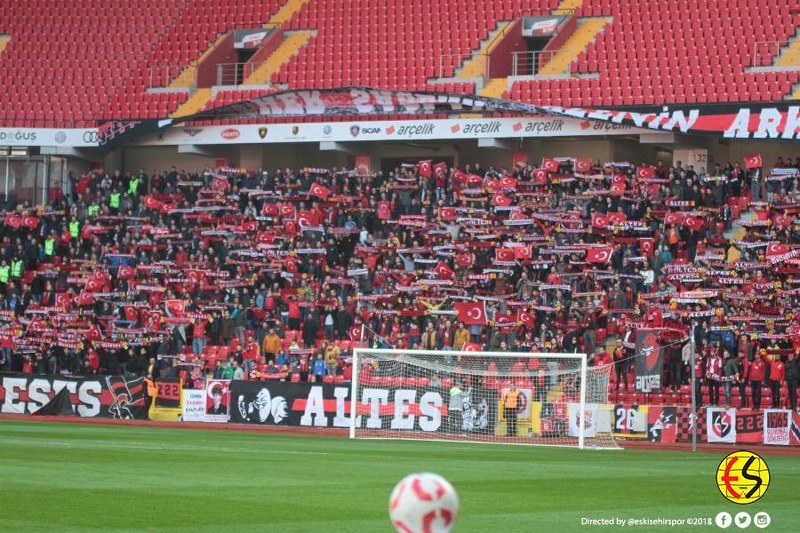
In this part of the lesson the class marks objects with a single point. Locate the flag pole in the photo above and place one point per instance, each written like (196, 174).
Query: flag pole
(694, 388)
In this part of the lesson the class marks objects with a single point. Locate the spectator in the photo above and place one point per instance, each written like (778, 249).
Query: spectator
(792, 379)
(757, 374)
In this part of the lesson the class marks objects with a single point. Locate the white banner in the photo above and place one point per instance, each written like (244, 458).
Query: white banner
(721, 424)
(75, 137)
(403, 130)
(589, 420)
(777, 426)
(194, 405)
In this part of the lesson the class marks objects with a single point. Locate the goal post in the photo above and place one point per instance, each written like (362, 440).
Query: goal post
(461, 396)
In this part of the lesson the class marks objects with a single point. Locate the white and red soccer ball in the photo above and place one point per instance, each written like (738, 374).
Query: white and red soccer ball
(423, 503)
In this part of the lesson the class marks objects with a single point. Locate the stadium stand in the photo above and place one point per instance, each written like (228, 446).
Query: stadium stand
(75, 62)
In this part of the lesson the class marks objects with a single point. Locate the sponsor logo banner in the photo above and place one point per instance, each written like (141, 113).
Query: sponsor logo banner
(73, 137)
(102, 396)
(368, 131)
(777, 426)
(721, 424)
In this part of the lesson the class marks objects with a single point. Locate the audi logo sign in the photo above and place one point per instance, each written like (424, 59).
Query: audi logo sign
(230, 134)
(91, 137)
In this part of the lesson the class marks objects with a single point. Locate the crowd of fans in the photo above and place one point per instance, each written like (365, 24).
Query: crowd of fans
(277, 274)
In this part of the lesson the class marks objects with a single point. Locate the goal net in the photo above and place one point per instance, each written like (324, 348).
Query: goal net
(513, 398)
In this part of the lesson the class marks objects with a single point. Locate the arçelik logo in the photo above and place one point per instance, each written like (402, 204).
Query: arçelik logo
(743, 477)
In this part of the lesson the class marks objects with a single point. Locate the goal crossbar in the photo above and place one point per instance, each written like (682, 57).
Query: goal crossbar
(430, 361)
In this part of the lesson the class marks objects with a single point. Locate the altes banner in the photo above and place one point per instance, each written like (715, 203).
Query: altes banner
(328, 406)
(100, 396)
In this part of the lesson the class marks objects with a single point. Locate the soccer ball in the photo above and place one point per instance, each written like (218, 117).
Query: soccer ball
(423, 503)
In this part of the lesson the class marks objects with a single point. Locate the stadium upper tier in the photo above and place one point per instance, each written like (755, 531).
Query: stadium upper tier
(79, 62)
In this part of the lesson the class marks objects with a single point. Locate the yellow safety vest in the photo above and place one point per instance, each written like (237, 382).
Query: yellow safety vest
(50, 246)
(16, 268)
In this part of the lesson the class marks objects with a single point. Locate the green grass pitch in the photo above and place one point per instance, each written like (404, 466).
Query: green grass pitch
(73, 477)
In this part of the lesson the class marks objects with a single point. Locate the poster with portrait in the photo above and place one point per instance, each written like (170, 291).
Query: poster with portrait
(217, 400)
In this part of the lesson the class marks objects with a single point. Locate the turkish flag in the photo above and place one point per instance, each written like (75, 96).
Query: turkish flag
(526, 318)
(131, 313)
(248, 226)
(646, 173)
(126, 272)
(540, 176)
(384, 210)
(443, 271)
(599, 220)
(504, 254)
(492, 185)
(166, 208)
(63, 300)
(425, 168)
(694, 223)
(776, 248)
(500, 199)
(319, 191)
(471, 347)
(287, 210)
(265, 237)
(270, 210)
(93, 285)
(195, 276)
(782, 221)
(150, 202)
(753, 161)
(583, 165)
(176, 307)
(550, 165)
(615, 217)
(30, 222)
(507, 183)
(308, 217)
(355, 332)
(84, 299)
(598, 254)
(674, 218)
(440, 169)
(459, 175)
(13, 220)
(94, 333)
(220, 184)
(473, 180)
(523, 252)
(152, 319)
(465, 259)
(647, 246)
(290, 227)
(447, 213)
(471, 313)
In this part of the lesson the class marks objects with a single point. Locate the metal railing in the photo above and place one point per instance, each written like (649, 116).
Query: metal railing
(766, 52)
(160, 76)
(530, 63)
(450, 64)
(234, 73)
